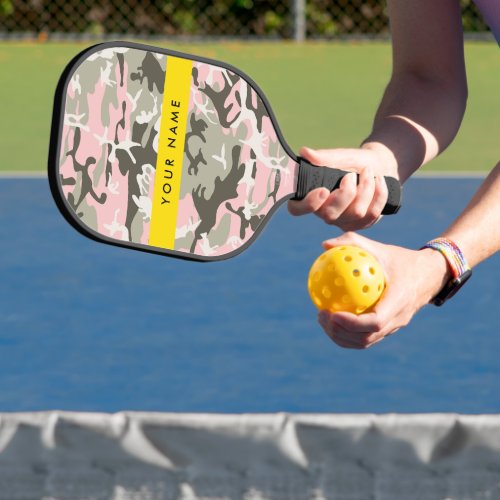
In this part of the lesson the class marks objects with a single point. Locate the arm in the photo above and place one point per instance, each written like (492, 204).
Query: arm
(419, 114)
(415, 277)
(424, 103)
(477, 230)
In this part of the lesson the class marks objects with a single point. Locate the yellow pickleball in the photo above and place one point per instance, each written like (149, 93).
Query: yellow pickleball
(346, 278)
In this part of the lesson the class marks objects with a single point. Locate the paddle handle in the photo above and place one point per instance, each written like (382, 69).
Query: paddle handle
(312, 177)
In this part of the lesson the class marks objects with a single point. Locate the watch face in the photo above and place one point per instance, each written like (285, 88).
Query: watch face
(451, 288)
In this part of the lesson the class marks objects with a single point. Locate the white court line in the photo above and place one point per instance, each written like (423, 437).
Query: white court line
(22, 175)
(454, 174)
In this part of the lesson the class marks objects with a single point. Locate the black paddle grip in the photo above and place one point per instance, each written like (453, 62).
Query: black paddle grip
(312, 177)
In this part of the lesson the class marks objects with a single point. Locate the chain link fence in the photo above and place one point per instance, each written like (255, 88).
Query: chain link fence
(284, 19)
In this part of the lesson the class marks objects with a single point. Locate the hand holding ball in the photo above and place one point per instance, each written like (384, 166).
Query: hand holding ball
(346, 278)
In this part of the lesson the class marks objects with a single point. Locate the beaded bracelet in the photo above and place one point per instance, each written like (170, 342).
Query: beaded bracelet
(452, 254)
(460, 269)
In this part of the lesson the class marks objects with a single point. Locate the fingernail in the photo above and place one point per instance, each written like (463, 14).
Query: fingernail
(324, 194)
(328, 244)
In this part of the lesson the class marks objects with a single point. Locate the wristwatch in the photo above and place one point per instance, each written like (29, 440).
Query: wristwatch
(460, 270)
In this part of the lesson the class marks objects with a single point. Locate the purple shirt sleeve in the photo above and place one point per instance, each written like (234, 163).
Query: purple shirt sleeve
(490, 9)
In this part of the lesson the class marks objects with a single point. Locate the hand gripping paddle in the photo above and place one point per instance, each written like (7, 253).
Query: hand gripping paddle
(173, 154)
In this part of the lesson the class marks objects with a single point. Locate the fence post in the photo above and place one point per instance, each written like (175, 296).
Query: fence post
(299, 20)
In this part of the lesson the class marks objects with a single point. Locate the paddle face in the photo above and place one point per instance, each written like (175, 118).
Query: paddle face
(164, 152)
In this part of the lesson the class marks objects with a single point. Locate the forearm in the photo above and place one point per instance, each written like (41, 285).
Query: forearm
(424, 103)
(416, 120)
(477, 230)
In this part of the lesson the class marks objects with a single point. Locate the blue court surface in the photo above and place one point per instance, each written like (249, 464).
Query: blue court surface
(90, 327)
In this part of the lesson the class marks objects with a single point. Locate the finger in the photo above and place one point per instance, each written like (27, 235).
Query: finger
(353, 341)
(362, 324)
(348, 238)
(339, 200)
(380, 196)
(374, 342)
(344, 344)
(311, 203)
(311, 155)
(342, 340)
(366, 208)
(362, 340)
(373, 339)
(338, 334)
(384, 318)
(391, 311)
(348, 338)
(393, 332)
(365, 191)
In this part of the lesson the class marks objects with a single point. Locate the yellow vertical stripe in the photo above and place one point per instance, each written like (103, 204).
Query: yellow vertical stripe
(170, 152)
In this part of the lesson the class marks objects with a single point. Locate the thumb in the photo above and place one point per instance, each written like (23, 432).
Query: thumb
(339, 157)
(377, 249)
(349, 238)
(311, 155)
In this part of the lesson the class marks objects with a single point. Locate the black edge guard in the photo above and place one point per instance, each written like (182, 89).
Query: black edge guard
(312, 177)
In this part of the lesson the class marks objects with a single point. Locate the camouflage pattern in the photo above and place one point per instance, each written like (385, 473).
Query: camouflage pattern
(234, 169)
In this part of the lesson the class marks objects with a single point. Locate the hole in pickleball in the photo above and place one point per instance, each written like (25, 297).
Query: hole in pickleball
(362, 254)
(356, 273)
(379, 287)
(366, 289)
(372, 270)
(330, 268)
(348, 258)
(339, 281)
(327, 293)
(346, 299)
(359, 310)
(317, 276)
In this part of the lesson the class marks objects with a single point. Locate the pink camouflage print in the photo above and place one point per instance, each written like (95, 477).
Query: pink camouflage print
(235, 169)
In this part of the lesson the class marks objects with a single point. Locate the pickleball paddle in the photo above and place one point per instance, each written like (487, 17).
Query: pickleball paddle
(165, 152)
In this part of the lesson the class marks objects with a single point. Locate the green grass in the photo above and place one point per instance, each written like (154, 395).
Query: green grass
(323, 95)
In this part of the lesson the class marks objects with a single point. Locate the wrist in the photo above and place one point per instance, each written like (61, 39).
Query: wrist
(437, 272)
(386, 156)
(457, 265)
